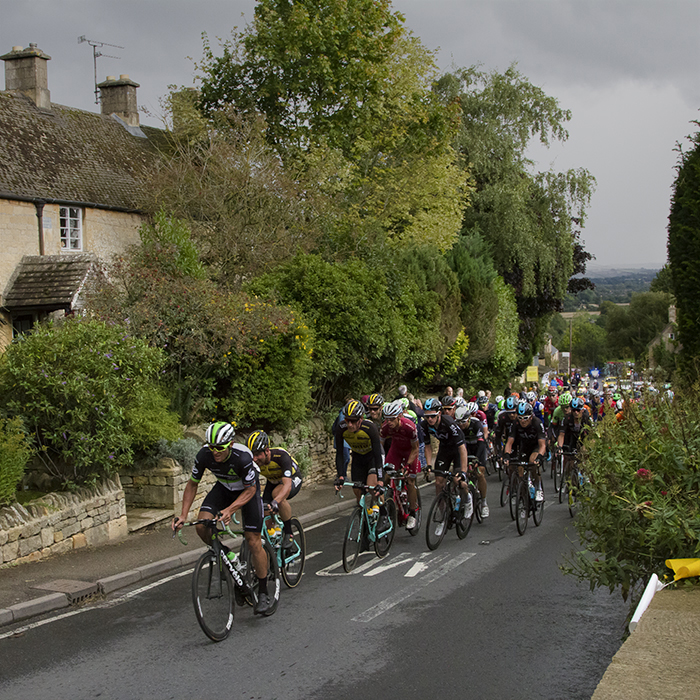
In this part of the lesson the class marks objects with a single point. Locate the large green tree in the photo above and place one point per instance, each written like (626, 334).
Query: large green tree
(684, 255)
(529, 219)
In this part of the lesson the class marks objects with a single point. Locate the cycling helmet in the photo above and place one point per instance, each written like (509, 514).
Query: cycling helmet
(510, 404)
(531, 396)
(374, 401)
(353, 409)
(432, 406)
(577, 404)
(482, 400)
(565, 399)
(258, 441)
(220, 434)
(462, 413)
(448, 401)
(392, 410)
(471, 407)
(460, 401)
(404, 403)
(617, 396)
(619, 405)
(524, 409)
(499, 399)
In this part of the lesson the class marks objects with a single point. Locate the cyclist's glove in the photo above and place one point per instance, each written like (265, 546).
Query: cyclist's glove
(274, 506)
(339, 481)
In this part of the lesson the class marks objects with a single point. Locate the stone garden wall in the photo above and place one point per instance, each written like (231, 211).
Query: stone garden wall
(60, 522)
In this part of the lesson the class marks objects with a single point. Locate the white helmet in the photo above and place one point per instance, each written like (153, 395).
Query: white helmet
(393, 409)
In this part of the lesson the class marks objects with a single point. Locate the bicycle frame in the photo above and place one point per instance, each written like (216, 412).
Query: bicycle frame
(275, 541)
(369, 523)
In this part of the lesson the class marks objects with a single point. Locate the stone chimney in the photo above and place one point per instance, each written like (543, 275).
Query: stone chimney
(26, 71)
(119, 97)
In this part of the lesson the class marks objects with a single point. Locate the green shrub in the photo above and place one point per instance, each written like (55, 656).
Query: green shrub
(182, 451)
(15, 452)
(88, 392)
(644, 504)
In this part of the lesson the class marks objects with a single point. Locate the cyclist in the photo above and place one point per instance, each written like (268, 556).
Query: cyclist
(452, 451)
(237, 487)
(526, 440)
(505, 420)
(475, 440)
(373, 406)
(575, 426)
(283, 479)
(550, 404)
(367, 466)
(403, 452)
(489, 411)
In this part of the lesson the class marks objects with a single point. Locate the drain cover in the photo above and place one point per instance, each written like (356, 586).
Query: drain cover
(75, 590)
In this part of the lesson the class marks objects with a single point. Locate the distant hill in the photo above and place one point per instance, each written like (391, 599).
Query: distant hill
(611, 284)
(604, 271)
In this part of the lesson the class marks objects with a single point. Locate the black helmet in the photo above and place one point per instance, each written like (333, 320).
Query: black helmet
(258, 441)
(448, 401)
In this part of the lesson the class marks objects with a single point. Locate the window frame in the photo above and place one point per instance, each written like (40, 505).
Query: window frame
(68, 215)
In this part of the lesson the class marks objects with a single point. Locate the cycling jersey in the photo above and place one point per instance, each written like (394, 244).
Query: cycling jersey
(237, 473)
(365, 447)
(526, 437)
(473, 431)
(403, 439)
(502, 427)
(446, 431)
(574, 432)
(281, 464)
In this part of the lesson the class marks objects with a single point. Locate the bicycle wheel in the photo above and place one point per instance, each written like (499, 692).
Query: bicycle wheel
(419, 515)
(212, 595)
(274, 584)
(383, 543)
(504, 491)
(513, 494)
(293, 558)
(522, 507)
(564, 482)
(436, 525)
(463, 524)
(353, 540)
(538, 509)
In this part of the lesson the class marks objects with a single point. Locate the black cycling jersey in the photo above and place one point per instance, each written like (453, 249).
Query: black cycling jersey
(447, 432)
(364, 443)
(473, 431)
(237, 473)
(526, 437)
(575, 433)
(500, 433)
(490, 412)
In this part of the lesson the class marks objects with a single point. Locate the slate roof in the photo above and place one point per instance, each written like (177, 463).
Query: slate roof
(48, 282)
(70, 155)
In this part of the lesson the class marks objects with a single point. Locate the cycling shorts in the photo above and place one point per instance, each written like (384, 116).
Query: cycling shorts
(398, 459)
(267, 496)
(362, 466)
(220, 497)
(448, 460)
(478, 450)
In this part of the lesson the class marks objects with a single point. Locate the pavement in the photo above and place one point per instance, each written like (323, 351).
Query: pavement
(659, 660)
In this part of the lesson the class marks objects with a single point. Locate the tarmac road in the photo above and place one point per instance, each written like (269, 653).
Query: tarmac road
(488, 617)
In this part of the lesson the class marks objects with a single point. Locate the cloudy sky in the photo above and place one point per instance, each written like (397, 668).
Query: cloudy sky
(629, 70)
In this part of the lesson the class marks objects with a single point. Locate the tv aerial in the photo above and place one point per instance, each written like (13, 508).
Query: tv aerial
(95, 55)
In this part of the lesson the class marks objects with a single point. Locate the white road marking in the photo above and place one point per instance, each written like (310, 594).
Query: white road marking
(397, 561)
(323, 522)
(312, 555)
(105, 604)
(401, 596)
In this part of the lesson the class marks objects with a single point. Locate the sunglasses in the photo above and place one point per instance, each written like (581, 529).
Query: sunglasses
(354, 421)
(524, 418)
(219, 448)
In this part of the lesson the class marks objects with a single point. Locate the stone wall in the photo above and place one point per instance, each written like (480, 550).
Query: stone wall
(162, 485)
(60, 522)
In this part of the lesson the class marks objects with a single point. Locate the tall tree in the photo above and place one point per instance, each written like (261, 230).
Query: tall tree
(529, 219)
(684, 255)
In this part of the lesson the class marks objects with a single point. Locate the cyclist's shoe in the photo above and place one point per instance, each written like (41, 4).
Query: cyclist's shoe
(484, 509)
(263, 604)
(287, 540)
(411, 522)
(440, 528)
(469, 507)
(539, 496)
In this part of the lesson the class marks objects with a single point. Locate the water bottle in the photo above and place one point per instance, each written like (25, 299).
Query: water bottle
(273, 532)
(231, 556)
(373, 511)
(531, 486)
(458, 503)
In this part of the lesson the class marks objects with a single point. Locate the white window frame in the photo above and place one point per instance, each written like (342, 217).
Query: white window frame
(71, 226)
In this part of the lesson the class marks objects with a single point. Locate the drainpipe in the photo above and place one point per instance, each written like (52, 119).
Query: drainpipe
(40, 217)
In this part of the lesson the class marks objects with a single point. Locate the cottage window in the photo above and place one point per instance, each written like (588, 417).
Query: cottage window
(71, 228)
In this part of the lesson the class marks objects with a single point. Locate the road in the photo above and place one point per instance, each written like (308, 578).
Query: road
(488, 617)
